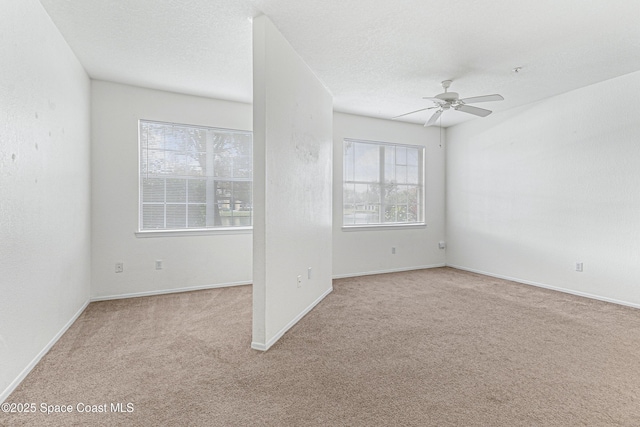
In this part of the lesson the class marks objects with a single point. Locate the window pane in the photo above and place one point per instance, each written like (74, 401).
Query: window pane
(174, 138)
(373, 194)
(348, 213)
(197, 140)
(412, 156)
(152, 216)
(176, 190)
(153, 162)
(389, 164)
(241, 206)
(401, 155)
(401, 194)
(225, 217)
(373, 214)
(197, 189)
(242, 191)
(412, 194)
(360, 195)
(367, 214)
(176, 216)
(401, 174)
(390, 213)
(197, 216)
(390, 194)
(412, 175)
(152, 136)
(349, 153)
(153, 190)
(367, 162)
(242, 167)
(196, 164)
(412, 213)
(348, 194)
(223, 166)
(225, 204)
(223, 191)
(225, 143)
(233, 155)
(402, 213)
(244, 144)
(175, 163)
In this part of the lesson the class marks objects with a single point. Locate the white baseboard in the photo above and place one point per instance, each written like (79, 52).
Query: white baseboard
(393, 270)
(168, 291)
(553, 288)
(258, 346)
(276, 337)
(40, 355)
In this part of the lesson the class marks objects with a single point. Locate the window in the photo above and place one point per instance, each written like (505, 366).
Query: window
(383, 184)
(194, 177)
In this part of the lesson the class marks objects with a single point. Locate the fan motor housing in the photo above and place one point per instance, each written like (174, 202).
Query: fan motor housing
(448, 96)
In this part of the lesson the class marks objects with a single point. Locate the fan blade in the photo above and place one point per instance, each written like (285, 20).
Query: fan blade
(434, 118)
(485, 98)
(411, 112)
(436, 100)
(474, 110)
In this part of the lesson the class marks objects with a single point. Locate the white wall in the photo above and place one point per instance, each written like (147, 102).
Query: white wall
(534, 190)
(188, 261)
(357, 252)
(44, 188)
(292, 186)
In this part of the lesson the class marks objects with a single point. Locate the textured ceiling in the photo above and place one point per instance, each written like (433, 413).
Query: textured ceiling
(377, 57)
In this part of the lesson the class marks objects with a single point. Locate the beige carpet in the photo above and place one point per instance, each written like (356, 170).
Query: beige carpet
(436, 347)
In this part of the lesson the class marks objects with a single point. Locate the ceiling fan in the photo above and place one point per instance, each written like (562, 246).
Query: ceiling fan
(447, 100)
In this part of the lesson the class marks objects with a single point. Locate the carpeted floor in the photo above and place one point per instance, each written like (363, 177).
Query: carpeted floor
(437, 347)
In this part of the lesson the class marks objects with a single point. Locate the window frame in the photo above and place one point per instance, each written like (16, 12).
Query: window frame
(421, 221)
(194, 231)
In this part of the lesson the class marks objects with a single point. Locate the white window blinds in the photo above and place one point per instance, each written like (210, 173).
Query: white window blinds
(194, 177)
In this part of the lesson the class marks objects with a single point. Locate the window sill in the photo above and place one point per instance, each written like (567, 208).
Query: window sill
(371, 227)
(194, 232)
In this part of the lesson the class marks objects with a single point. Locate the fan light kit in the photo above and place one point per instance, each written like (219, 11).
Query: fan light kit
(451, 100)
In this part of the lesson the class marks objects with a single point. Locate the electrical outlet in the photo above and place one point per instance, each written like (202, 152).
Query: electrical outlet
(579, 266)
(119, 267)
(393, 250)
(299, 280)
(158, 264)
(442, 244)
